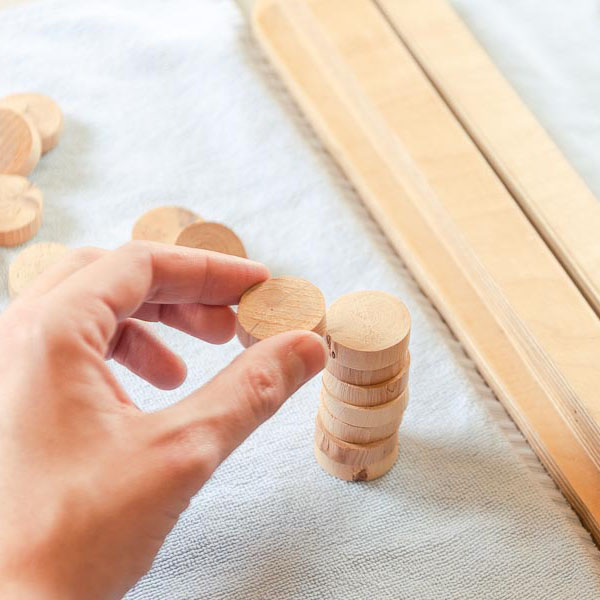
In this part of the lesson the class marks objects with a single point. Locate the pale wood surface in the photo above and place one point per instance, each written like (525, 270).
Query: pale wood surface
(163, 224)
(21, 207)
(211, 236)
(20, 144)
(360, 377)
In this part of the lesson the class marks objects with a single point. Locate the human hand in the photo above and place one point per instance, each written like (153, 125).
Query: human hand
(90, 485)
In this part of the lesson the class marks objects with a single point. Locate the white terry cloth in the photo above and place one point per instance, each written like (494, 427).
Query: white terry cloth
(167, 103)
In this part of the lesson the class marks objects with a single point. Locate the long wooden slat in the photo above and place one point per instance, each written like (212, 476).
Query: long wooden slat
(548, 189)
(443, 208)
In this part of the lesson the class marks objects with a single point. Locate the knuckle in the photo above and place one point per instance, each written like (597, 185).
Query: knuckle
(85, 255)
(262, 386)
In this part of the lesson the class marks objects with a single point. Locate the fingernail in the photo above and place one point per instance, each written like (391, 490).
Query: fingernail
(307, 356)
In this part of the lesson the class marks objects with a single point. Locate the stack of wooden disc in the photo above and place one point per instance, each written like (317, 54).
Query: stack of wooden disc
(364, 392)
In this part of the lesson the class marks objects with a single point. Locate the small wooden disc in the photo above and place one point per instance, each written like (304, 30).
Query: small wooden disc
(43, 112)
(356, 473)
(163, 224)
(353, 434)
(211, 236)
(367, 330)
(20, 145)
(367, 395)
(357, 455)
(30, 263)
(277, 305)
(20, 210)
(358, 377)
(366, 416)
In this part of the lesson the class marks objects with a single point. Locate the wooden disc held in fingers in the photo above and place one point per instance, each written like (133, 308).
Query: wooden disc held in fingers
(353, 434)
(352, 454)
(277, 305)
(20, 145)
(163, 224)
(211, 236)
(20, 210)
(366, 416)
(30, 263)
(368, 395)
(44, 113)
(356, 473)
(358, 377)
(367, 330)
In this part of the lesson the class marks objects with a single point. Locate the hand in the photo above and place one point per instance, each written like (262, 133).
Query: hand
(90, 485)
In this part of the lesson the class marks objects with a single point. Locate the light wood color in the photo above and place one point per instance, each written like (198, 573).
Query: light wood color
(20, 145)
(357, 455)
(354, 434)
(368, 395)
(367, 330)
(163, 224)
(211, 236)
(353, 472)
(514, 308)
(30, 263)
(365, 416)
(20, 210)
(358, 377)
(277, 305)
(44, 113)
(529, 163)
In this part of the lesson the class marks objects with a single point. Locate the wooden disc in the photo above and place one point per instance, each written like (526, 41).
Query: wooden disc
(356, 473)
(358, 455)
(366, 416)
(353, 434)
(358, 377)
(368, 395)
(367, 330)
(20, 145)
(277, 305)
(163, 224)
(20, 210)
(30, 263)
(43, 112)
(211, 236)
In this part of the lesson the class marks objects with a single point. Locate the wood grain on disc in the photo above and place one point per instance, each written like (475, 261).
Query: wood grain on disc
(277, 305)
(359, 377)
(367, 330)
(211, 236)
(43, 112)
(20, 145)
(163, 224)
(30, 263)
(20, 210)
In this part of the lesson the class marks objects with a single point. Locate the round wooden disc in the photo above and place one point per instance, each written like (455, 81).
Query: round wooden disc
(358, 377)
(366, 416)
(277, 305)
(211, 236)
(30, 263)
(353, 434)
(20, 145)
(20, 210)
(356, 473)
(357, 455)
(368, 395)
(163, 224)
(367, 330)
(43, 112)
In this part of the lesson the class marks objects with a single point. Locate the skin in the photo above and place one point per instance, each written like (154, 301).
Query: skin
(90, 485)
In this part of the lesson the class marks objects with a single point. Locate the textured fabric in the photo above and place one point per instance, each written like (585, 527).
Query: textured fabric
(168, 103)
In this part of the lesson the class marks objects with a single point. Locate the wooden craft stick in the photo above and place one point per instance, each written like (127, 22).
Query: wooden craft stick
(163, 224)
(353, 434)
(20, 210)
(367, 330)
(211, 236)
(356, 473)
(277, 305)
(368, 395)
(44, 113)
(20, 145)
(357, 455)
(365, 416)
(358, 377)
